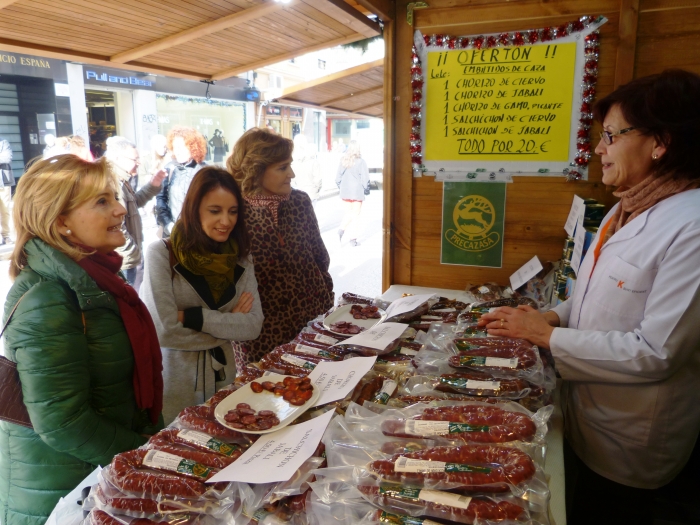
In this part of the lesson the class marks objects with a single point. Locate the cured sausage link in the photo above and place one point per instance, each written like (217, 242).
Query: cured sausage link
(479, 508)
(129, 475)
(203, 458)
(480, 468)
(486, 424)
(191, 419)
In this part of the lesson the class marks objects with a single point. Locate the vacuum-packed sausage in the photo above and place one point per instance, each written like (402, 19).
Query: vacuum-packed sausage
(438, 504)
(469, 423)
(130, 475)
(475, 468)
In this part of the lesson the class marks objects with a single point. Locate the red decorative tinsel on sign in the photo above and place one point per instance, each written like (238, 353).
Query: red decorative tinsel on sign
(517, 38)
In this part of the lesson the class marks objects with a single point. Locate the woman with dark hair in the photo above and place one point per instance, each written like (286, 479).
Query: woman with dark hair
(627, 341)
(290, 257)
(201, 290)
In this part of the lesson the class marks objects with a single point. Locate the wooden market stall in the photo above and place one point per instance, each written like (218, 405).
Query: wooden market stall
(641, 37)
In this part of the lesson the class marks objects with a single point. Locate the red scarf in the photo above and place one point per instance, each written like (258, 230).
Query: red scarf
(271, 202)
(148, 364)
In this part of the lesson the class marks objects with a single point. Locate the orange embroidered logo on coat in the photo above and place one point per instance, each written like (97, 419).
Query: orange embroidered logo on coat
(620, 283)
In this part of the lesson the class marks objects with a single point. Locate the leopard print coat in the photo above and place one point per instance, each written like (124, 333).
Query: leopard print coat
(291, 266)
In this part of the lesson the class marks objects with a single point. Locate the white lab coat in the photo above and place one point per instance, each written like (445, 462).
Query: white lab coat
(630, 347)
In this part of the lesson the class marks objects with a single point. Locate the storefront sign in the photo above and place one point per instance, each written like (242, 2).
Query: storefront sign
(506, 103)
(472, 223)
(114, 79)
(14, 64)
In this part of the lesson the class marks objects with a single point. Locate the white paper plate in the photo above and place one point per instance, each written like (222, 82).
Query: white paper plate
(265, 400)
(342, 313)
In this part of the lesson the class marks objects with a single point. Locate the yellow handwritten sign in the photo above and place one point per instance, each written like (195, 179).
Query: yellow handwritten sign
(500, 104)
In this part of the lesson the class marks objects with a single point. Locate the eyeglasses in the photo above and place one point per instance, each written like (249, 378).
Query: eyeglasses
(608, 137)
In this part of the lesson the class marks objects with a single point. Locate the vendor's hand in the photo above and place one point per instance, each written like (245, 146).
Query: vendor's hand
(157, 178)
(523, 322)
(180, 316)
(244, 304)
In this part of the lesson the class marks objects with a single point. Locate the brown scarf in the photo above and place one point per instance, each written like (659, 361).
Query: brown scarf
(639, 198)
(271, 202)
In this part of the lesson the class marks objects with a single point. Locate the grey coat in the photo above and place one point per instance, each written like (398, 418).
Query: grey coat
(188, 368)
(352, 181)
(6, 176)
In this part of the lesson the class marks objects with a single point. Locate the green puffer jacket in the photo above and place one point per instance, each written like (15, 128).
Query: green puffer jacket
(75, 364)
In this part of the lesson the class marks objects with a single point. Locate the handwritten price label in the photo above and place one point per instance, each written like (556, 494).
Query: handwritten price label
(500, 104)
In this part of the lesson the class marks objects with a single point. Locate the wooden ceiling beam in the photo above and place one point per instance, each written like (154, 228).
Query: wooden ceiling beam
(355, 94)
(29, 48)
(199, 31)
(384, 9)
(5, 3)
(311, 105)
(232, 72)
(362, 68)
(347, 15)
(381, 102)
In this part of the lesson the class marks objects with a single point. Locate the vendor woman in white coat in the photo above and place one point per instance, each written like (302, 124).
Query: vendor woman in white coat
(628, 341)
(201, 290)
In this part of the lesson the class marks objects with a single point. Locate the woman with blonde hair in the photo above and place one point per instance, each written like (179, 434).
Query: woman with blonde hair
(353, 180)
(291, 261)
(85, 347)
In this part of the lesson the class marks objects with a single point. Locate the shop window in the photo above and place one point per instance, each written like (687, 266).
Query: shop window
(363, 124)
(220, 121)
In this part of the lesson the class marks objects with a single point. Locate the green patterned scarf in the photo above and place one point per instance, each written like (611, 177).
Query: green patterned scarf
(216, 268)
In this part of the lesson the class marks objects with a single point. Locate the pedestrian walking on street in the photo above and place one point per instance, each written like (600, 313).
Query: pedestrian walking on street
(123, 159)
(353, 181)
(189, 148)
(7, 180)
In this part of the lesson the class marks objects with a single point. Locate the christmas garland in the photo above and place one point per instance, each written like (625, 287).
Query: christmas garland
(516, 38)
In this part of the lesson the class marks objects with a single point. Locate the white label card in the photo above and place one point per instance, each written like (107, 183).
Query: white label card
(378, 337)
(579, 241)
(325, 339)
(298, 361)
(308, 350)
(335, 380)
(473, 384)
(502, 362)
(406, 304)
(404, 464)
(277, 456)
(578, 209)
(417, 427)
(445, 498)
(525, 273)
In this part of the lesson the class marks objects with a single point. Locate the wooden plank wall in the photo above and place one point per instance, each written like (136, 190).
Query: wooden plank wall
(651, 35)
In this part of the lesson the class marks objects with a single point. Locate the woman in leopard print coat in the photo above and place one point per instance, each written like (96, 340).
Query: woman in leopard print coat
(291, 261)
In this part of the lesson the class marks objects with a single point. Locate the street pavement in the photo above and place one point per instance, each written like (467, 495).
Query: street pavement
(356, 269)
